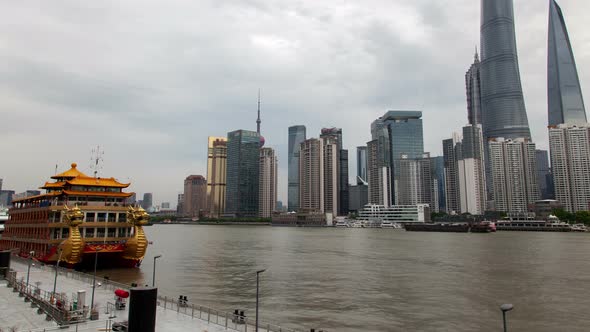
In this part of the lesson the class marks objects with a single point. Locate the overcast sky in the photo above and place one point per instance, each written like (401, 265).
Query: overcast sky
(148, 81)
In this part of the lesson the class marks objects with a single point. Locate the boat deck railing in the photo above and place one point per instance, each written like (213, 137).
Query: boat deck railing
(219, 317)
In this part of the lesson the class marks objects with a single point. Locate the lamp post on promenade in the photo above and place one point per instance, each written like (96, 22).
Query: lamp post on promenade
(154, 272)
(505, 308)
(94, 278)
(257, 292)
(31, 254)
(55, 279)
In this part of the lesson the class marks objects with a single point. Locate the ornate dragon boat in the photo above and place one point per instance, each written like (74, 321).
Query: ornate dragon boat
(78, 217)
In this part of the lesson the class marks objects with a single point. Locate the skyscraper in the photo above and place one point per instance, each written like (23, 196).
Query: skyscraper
(195, 196)
(268, 182)
(404, 132)
(451, 154)
(378, 173)
(361, 164)
(544, 177)
(318, 175)
(471, 172)
(570, 164)
(243, 157)
(513, 174)
(503, 109)
(473, 90)
(342, 155)
(296, 137)
(564, 94)
(147, 201)
(416, 182)
(438, 173)
(216, 175)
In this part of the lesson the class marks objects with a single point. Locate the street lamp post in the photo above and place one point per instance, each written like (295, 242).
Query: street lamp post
(154, 272)
(94, 278)
(31, 254)
(55, 279)
(505, 308)
(257, 292)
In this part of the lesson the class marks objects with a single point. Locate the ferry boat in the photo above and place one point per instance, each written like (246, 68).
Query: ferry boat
(551, 225)
(78, 217)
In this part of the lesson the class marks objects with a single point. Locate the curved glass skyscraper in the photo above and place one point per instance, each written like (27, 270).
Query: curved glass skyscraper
(565, 102)
(503, 110)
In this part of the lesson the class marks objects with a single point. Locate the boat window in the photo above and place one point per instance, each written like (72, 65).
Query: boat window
(65, 232)
(112, 232)
(100, 232)
(102, 216)
(55, 234)
(112, 217)
(122, 217)
(89, 232)
(90, 216)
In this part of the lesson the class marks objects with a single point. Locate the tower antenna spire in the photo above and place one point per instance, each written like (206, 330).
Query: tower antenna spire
(258, 119)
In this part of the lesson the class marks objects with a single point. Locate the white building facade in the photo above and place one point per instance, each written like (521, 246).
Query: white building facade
(570, 162)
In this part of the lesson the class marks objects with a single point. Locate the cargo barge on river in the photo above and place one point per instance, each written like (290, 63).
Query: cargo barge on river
(78, 217)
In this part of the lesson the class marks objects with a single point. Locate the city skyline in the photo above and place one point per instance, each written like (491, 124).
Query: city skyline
(149, 120)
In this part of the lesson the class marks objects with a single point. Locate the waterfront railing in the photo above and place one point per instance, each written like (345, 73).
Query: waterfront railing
(221, 318)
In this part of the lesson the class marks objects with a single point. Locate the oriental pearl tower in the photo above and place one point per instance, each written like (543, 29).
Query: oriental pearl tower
(258, 121)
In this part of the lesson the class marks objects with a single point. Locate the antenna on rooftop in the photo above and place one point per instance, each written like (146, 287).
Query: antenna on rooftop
(96, 160)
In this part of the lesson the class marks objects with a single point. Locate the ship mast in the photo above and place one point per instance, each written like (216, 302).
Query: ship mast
(96, 160)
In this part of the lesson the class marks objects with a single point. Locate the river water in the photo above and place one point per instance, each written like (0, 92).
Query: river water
(376, 279)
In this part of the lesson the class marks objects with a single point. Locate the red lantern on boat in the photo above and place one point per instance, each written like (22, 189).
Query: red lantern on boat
(122, 293)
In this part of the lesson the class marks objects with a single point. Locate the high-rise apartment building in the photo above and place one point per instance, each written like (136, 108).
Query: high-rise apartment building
(473, 90)
(514, 174)
(242, 179)
(564, 94)
(503, 109)
(570, 165)
(180, 204)
(297, 135)
(361, 164)
(195, 196)
(544, 177)
(332, 180)
(268, 182)
(416, 182)
(318, 175)
(216, 175)
(311, 175)
(336, 135)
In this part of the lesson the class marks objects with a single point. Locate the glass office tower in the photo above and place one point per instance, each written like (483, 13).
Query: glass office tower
(242, 180)
(503, 109)
(564, 95)
(296, 137)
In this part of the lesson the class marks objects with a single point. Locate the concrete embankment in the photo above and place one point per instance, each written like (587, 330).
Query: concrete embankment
(22, 307)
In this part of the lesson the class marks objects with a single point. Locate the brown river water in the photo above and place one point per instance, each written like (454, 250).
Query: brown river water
(376, 279)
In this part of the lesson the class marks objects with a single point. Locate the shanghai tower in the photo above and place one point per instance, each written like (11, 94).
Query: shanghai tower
(565, 102)
(503, 110)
